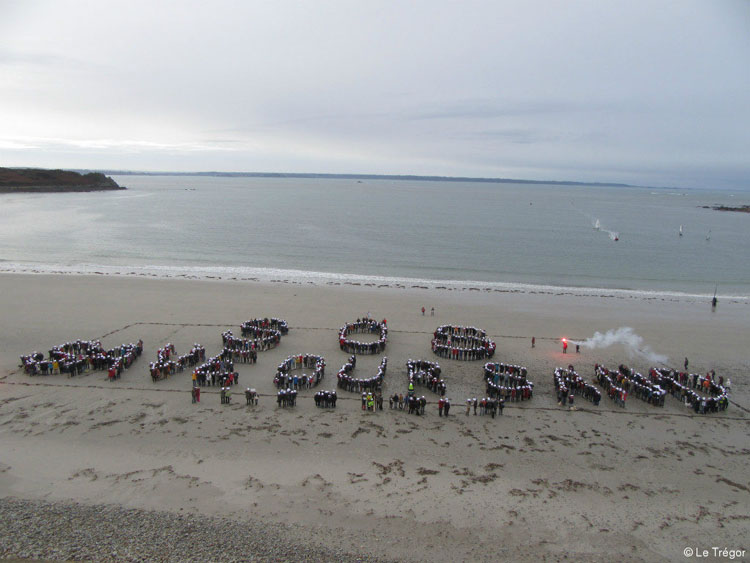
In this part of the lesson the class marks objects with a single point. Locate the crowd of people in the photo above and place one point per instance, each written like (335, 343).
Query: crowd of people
(286, 398)
(81, 356)
(325, 399)
(372, 401)
(685, 386)
(284, 379)
(462, 343)
(621, 383)
(413, 404)
(216, 371)
(363, 326)
(243, 350)
(486, 406)
(507, 382)
(568, 384)
(427, 374)
(263, 334)
(357, 384)
(167, 364)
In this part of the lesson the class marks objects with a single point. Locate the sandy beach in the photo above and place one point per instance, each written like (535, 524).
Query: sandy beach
(539, 482)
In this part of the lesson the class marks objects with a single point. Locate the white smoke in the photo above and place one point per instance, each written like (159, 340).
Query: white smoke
(630, 340)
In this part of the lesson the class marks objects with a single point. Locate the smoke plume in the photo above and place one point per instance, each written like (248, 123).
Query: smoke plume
(632, 343)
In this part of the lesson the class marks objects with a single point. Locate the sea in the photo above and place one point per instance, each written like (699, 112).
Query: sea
(389, 232)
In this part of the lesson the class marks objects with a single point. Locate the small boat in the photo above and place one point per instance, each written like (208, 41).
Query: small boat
(708, 235)
(597, 225)
(680, 230)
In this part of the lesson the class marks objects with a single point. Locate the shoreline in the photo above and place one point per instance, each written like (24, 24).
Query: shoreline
(538, 481)
(320, 279)
(59, 189)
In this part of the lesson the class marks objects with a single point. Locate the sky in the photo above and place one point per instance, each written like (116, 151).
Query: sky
(644, 92)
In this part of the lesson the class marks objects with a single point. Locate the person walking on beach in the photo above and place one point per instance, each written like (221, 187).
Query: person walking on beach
(432, 311)
(686, 363)
(423, 311)
(533, 341)
(565, 346)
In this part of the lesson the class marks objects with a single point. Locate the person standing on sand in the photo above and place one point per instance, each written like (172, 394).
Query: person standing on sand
(432, 311)
(686, 363)
(533, 341)
(423, 311)
(447, 406)
(565, 346)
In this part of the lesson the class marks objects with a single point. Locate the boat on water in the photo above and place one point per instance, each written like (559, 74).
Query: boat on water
(680, 230)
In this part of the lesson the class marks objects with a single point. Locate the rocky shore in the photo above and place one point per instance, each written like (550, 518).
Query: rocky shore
(62, 531)
(738, 209)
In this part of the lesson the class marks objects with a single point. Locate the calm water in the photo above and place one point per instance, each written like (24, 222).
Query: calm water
(324, 229)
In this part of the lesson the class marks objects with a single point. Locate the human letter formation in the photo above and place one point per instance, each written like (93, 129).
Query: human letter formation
(427, 374)
(244, 350)
(168, 364)
(264, 333)
(569, 383)
(284, 379)
(366, 326)
(462, 343)
(358, 385)
(508, 382)
(80, 356)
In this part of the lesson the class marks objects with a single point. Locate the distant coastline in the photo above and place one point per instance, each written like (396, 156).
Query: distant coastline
(374, 177)
(35, 180)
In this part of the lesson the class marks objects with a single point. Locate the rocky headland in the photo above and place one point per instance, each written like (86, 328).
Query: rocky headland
(38, 180)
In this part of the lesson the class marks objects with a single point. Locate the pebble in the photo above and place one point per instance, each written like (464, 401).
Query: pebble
(70, 531)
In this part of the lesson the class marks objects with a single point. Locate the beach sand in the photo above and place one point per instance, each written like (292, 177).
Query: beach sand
(539, 482)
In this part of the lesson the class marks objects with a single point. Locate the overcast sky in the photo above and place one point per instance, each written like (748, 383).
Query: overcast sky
(652, 92)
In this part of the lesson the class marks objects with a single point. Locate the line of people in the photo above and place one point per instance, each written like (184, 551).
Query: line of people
(568, 383)
(363, 326)
(284, 379)
(683, 385)
(261, 334)
(166, 364)
(244, 350)
(427, 374)
(486, 405)
(462, 343)
(215, 371)
(621, 383)
(265, 324)
(325, 399)
(80, 356)
(286, 398)
(360, 385)
(508, 382)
